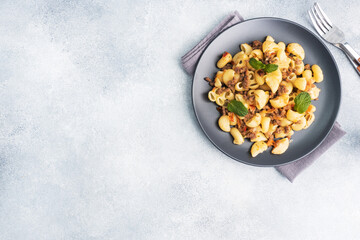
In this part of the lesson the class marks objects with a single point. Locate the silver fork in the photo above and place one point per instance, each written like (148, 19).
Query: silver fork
(333, 34)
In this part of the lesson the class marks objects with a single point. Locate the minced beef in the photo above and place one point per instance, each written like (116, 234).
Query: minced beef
(269, 57)
(211, 82)
(282, 90)
(256, 44)
(287, 129)
(221, 90)
(298, 61)
(240, 69)
(222, 110)
(275, 121)
(246, 80)
(227, 66)
(261, 72)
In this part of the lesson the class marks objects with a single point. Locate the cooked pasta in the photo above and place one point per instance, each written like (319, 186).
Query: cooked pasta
(272, 89)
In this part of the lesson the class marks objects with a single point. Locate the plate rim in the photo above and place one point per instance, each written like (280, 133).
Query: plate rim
(337, 109)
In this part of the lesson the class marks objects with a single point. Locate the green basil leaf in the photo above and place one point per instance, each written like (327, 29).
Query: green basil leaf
(259, 65)
(237, 107)
(270, 67)
(302, 102)
(256, 64)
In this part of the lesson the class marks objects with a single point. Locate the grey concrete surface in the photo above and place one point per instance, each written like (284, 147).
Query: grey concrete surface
(98, 139)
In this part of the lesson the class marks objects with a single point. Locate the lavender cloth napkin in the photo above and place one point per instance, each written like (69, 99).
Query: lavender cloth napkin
(291, 170)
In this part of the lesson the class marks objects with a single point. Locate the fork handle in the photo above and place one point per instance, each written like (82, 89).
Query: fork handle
(353, 56)
(356, 66)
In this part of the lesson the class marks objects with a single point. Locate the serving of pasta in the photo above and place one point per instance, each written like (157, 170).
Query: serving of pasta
(264, 93)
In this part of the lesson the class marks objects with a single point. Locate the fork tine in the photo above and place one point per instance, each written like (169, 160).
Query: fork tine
(320, 25)
(321, 19)
(327, 20)
(315, 24)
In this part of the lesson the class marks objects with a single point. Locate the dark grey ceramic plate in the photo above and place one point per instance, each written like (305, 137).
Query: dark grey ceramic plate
(316, 52)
